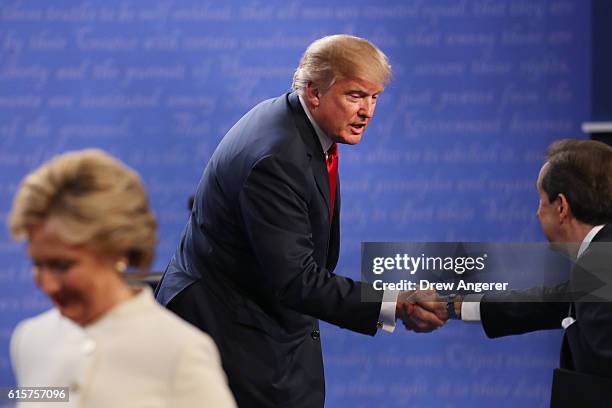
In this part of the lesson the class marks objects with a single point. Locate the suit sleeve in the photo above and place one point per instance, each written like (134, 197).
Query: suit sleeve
(275, 210)
(523, 311)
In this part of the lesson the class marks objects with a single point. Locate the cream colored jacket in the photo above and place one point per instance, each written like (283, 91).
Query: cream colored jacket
(136, 355)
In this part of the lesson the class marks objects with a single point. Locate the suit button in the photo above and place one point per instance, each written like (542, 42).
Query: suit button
(88, 347)
(315, 334)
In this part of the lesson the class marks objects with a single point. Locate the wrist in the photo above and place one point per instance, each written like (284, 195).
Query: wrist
(458, 301)
(453, 306)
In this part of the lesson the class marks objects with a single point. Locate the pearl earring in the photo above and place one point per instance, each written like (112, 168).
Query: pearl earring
(121, 266)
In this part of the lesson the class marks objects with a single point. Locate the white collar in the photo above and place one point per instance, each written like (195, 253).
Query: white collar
(587, 239)
(142, 300)
(325, 141)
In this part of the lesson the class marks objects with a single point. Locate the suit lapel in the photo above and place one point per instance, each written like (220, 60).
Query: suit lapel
(333, 250)
(313, 147)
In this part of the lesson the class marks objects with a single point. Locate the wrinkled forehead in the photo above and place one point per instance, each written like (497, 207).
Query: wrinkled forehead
(362, 85)
(364, 75)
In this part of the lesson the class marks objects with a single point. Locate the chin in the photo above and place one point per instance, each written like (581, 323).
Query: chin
(348, 139)
(558, 247)
(73, 315)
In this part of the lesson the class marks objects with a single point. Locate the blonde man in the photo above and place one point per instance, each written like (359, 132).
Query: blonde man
(86, 219)
(254, 267)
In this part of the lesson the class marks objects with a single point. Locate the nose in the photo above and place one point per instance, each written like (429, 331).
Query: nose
(47, 281)
(366, 110)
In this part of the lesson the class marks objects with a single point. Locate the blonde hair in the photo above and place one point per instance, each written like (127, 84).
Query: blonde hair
(341, 56)
(97, 200)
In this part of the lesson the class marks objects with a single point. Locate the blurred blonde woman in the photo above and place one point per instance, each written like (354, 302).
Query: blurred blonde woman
(86, 219)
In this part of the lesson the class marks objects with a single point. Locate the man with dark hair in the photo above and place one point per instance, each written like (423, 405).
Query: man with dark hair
(575, 212)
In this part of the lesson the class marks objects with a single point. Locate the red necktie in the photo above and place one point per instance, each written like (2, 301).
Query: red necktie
(332, 172)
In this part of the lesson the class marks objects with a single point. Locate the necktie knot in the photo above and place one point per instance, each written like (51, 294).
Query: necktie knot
(332, 153)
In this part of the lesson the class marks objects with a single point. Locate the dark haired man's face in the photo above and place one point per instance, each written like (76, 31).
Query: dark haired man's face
(548, 212)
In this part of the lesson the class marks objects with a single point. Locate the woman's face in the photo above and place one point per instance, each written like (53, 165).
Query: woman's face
(75, 278)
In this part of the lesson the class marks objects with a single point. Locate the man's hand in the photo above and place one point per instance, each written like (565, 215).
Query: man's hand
(421, 310)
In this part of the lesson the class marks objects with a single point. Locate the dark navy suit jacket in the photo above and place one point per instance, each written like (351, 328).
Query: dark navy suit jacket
(261, 243)
(587, 344)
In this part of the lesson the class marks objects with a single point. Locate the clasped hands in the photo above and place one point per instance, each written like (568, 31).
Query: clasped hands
(422, 311)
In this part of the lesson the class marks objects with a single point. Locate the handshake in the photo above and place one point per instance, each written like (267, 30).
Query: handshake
(424, 311)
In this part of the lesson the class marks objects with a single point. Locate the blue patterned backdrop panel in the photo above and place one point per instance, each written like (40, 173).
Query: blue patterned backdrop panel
(480, 88)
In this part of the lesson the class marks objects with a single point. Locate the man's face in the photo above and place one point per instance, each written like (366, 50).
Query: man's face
(548, 212)
(344, 110)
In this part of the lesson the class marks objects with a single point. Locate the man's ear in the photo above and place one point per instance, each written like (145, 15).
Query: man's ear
(563, 207)
(312, 95)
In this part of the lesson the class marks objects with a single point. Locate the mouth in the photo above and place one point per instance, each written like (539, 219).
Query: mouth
(357, 128)
(63, 300)
(60, 302)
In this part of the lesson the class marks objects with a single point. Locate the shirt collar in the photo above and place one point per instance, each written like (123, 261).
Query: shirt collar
(325, 141)
(142, 300)
(587, 239)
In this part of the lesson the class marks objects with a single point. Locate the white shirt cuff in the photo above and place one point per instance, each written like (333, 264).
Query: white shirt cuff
(386, 317)
(470, 308)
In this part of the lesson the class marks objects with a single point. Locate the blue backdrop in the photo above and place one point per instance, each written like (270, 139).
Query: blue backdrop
(480, 89)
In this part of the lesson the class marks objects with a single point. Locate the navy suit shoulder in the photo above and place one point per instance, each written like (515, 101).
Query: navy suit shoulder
(267, 129)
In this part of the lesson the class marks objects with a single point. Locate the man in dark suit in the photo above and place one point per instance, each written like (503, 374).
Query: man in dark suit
(575, 211)
(254, 265)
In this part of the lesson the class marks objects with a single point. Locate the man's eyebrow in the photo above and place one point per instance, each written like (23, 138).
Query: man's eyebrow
(361, 92)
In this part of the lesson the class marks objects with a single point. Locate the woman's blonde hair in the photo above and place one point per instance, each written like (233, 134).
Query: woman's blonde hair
(340, 56)
(96, 201)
